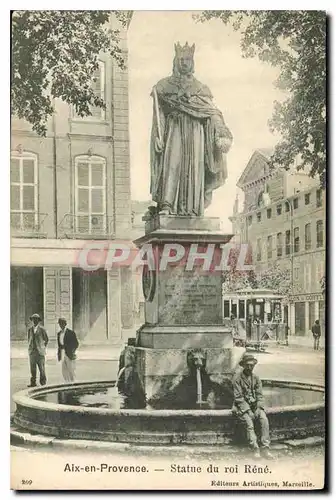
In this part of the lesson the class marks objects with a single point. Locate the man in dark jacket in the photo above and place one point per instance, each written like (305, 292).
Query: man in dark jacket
(249, 406)
(37, 343)
(316, 331)
(67, 344)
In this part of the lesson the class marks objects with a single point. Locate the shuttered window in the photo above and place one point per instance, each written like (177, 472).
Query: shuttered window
(308, 236)
(319, 234)
(24, 191)
(99, 90)
(90, 197)
(98, 85)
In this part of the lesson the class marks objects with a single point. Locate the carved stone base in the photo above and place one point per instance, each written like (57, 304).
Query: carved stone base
(185, 337)
(183, 313)
(174, 222)
(164, 373)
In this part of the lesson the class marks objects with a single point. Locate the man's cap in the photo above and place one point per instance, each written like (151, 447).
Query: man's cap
(35, 315)
(248, 358)
(62, 319)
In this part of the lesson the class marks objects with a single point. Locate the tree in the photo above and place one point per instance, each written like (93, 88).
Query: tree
(55, 55)
(295, 42)
(276, 279)
(235, 279)
(323, 285)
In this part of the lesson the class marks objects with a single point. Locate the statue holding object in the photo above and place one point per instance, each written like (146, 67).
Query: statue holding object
(189, 141)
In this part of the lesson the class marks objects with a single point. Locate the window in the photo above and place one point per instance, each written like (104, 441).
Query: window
(319, 233)
(90, 198)
(279, 209)
(249, 220)
(307, 276)
(308, 236)
(307, 199)
(288, 242)
(241, 309)
(98, 85)
(260, 199)
(259, 216)
(269, 213)
(287, 206)
(24, 191)
(279, 245)
(234, 308)
(319, 198)
(269, 247)
(296, 239)
(296, 203)
(226, 308)
(258, 249)
(319, 271)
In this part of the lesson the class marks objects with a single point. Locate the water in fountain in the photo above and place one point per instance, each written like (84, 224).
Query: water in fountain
(108, 397)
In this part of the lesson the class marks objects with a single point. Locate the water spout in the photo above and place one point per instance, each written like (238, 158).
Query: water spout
(199, 385)
(121, 371)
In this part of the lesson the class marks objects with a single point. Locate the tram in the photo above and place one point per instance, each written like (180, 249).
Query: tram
(258, 317)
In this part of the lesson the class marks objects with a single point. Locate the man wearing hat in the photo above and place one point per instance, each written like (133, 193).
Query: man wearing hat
(67, 344)
(37, 343)
(249, 406)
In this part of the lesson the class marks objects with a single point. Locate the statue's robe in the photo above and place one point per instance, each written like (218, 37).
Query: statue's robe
(192, 163)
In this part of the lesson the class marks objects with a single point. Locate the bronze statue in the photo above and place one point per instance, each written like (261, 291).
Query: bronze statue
(189, 141)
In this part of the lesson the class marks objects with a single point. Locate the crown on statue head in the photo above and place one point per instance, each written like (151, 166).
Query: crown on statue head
(187, 50)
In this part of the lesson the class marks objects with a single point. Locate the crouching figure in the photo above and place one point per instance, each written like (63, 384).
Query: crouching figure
(249, 407)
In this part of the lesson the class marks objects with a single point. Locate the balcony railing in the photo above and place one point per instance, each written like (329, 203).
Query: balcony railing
(86, 226)
(28, 224)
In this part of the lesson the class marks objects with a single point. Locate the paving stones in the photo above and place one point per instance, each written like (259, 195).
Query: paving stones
(26, 439)
(302, 443)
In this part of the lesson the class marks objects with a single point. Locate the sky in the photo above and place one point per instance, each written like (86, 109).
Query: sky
(243, 90)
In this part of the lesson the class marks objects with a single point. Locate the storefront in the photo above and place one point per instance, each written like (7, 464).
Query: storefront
(305, 310)
(98, 304)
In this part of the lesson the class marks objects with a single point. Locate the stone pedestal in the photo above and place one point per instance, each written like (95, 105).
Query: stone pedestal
(183, 310)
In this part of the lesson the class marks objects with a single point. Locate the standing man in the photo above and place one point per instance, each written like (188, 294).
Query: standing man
(316, 330)
(67, 343)
(249, 406)
(37, 343)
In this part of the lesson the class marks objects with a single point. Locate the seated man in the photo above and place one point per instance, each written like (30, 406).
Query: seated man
(248, 405)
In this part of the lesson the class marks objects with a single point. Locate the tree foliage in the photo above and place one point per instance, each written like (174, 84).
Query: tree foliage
(323, 285)
(275, 278)
(295, 42)
(235, 279)
(55, 55)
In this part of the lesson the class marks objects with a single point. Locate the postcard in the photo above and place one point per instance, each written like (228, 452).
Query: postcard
(168, 250)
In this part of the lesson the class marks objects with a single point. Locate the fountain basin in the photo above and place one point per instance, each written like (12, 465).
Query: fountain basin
(37, 411)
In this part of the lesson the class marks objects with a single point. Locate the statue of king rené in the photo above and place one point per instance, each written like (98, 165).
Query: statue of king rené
(189, 141)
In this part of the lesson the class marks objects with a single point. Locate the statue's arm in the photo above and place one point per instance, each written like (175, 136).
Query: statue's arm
(224, 140)
(223, 135)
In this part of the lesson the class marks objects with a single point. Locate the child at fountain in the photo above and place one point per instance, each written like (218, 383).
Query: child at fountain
(248, 406)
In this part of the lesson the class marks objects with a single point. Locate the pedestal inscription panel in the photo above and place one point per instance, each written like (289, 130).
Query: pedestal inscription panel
(189, 298)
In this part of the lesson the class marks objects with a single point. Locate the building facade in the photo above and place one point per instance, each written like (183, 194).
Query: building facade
(283, 219)
(70, 188)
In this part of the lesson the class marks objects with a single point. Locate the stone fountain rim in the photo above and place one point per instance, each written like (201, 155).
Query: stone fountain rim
(25, 398)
